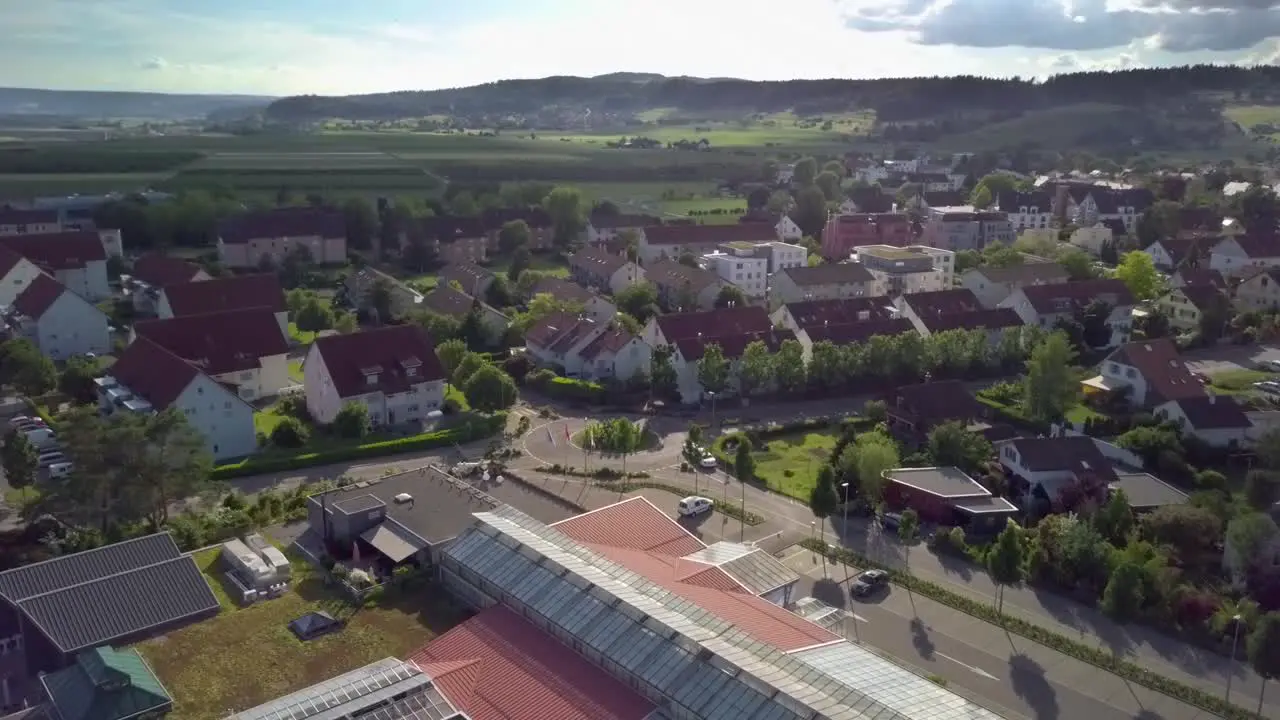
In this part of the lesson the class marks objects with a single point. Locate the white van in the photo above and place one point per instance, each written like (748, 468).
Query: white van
(60, 470)
(694, 505)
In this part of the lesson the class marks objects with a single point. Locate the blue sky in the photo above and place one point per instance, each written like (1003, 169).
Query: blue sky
(282, 47)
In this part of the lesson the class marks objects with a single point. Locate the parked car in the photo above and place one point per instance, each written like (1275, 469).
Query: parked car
(1271, 365)
(1268, 386)
(891, 521)
(51, 458)
(869, 582)
(694, 505)
(60, 470)
(24, 420)
(708, 461)
(42, 438)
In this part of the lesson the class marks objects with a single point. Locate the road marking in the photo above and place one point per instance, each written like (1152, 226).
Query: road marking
(976, 670)
(861, 619)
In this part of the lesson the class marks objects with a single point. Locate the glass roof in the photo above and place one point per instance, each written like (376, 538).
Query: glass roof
(345, 694)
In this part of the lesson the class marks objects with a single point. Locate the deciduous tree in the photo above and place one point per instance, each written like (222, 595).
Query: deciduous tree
(713, 369)
(952, 444)
(1004, 561)
(1138, 273)
(489, 389)
(513, 236)
(1264, 652)
(565, 206)
(823, 499)
(20, 459)
(1050, 387)
(1123, 596)
(756, 368)
(23, 366)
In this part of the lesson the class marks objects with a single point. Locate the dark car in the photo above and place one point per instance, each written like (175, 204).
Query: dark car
(869, 582)
(890, 521)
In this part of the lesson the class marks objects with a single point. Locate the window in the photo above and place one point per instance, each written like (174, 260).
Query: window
(247, 375)
(1130, 373)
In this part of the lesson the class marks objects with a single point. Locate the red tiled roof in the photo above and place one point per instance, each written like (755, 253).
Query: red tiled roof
(58, 251)
(816, 313)
(153, 373)
(39, 296)
(732, 345)
(610, 341)
(1168, 378)
(498, 666)
(160, 270)
(228, 293)
(725, 321)
(1202, 277)
(391, 350)
(8, 260)
(283, 222)
(559, 332)
(563, 290)
(992, 319)
(1203, 296)
(633, 523)
(219, 343)
(23, 216)
(1259, 246)
(941, 302)
(1064, 297)
(753, 615)
(708, 234)
(857, 332)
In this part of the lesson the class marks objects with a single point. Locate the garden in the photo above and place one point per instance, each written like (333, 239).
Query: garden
(618, 436)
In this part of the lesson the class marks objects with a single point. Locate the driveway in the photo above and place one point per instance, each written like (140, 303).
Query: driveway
(1230, 357)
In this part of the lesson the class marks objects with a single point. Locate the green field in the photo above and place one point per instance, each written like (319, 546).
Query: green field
(790, 464)
(78, 183)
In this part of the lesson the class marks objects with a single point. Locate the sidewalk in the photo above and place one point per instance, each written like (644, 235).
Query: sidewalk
(1172, 658)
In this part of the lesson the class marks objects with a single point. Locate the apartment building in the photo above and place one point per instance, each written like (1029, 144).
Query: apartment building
(910, 269)
(964, 228)
(845, 232)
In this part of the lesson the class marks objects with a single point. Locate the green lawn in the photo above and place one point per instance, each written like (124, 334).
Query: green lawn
(210, 564)
(295, 370)
(1080, 414)
(1234, 382)
(789, 464)
(264, 421)
(304, 337)
(542, 262)
(247, 656)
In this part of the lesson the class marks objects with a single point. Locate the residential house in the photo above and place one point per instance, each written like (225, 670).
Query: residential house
(451, 302)
(593, 306)
(255, 239)
(375, 517)
(1171, 254)
(673, 241)
(541, 227)
(152, 272)
(392, 371)
(958, 309)
(1083, 205)
(603, 227)
(905, 270)
(682, 288)
(781, 255)
(1197, 276)
(29, 221)
(786, 229)
(16, 273)
(1048, 466)
(74, 258)
(1216, 420)
(59, 322)
(52, 613)
(242, 349)
(1186, 306)
(947, 496)
(938, 198)
(915, 410)
(471, 278)
(1241, 255)
(665, 330)
(851, 333)
(866, 199)
(1091, 239)
(1148, 373)
(1044, 305)
(936, 181)
(1260, 290)
(739, 266)
(1027, 210)
(582, 347)
(964, 228)
(451, 238)
(688, 351)
(359, 286)
(993, 285)
(595, 267)
(843, 233)
(805, 314)
(225, 293)
(147, 378)
(829, 281)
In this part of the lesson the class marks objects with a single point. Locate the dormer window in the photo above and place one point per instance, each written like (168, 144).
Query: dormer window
(371, 374)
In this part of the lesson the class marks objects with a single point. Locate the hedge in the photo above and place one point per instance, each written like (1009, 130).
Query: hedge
(1110, 662)
(468, 432)
(730, 508)
(1013, 416)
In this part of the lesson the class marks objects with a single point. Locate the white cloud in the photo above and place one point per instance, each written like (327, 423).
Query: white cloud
(159, 45)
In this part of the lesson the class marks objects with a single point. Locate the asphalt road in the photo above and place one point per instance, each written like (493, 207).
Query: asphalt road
(1013, 675)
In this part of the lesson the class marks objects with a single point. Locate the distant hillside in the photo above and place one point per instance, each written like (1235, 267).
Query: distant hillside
(626, 94)
(84, 104)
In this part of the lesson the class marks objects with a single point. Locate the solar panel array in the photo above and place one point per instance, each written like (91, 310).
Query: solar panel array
(691, 656)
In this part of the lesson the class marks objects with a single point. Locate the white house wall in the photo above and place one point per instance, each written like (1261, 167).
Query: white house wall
(71, 326)
(225, 422)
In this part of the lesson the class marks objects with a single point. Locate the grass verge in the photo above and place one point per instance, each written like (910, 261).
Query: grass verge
(788, 464)
(247, 656)
(1110, 662)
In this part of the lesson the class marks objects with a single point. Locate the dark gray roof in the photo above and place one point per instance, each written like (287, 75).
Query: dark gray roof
(1144, 490)
(829, 274)
(99, 596)
(442, 506)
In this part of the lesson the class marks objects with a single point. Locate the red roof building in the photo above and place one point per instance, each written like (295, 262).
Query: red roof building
(845, 232)
(247, 241)
(672, 241)
(72, 250)
(498, 666)
(222, 294)
(161, 270)
(245, 348)
(392, 370)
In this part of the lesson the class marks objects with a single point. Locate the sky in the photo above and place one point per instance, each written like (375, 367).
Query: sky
(333, 47)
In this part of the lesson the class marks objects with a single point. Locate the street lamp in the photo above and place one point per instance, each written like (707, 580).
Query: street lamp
(712, 394)
(1236, 621)
(845, 524)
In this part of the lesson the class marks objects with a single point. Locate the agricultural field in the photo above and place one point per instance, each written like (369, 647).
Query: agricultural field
(1250, 116)
(782, 131)
(337, 171)
(22, 185)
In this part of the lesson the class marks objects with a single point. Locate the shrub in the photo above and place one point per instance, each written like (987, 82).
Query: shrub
(518, 367)
(352, 421)
(290, 433)
(294, 406)
(876, 411)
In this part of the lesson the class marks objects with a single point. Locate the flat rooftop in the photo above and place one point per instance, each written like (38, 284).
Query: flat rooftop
(1145, 491)
(947, 482)
(889, 252)
(441, 507)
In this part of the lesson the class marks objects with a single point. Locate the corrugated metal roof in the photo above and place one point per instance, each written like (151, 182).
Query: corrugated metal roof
(61, 572)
